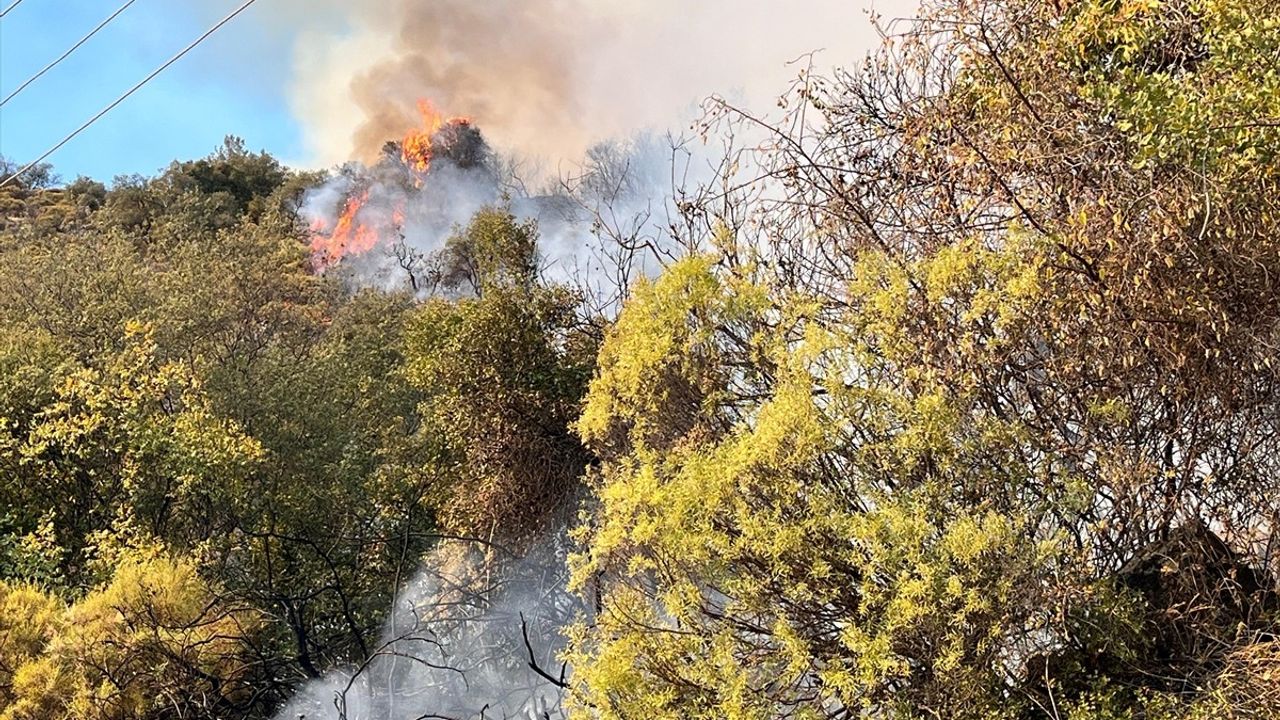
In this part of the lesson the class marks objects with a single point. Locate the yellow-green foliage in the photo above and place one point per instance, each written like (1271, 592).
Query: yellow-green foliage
(28, 620)
(656, 374)
(738, 575)
(154, 639)
(1208, 99)
(139, 430)
(1010, 327)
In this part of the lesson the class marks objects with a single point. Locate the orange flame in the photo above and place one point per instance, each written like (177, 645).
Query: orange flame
(358, 231)
(349, 236)
(417, 150)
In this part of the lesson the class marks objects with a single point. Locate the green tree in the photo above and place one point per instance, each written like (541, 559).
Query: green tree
(502, 375)
(134, 446)
(260, 425)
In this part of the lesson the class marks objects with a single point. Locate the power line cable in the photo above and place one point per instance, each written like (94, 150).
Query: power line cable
(130, 91)
(7, 10)
(66, 54)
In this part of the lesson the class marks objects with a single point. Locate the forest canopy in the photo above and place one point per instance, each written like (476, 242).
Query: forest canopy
(954, 394)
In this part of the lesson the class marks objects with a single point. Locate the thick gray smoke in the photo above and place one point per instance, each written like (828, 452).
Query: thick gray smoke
(550, 78)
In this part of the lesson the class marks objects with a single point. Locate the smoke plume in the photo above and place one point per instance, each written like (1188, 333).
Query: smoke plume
(549, 78)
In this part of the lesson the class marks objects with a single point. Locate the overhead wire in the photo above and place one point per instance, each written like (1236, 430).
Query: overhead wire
(182, 53)
(6, 11)
(66, 54)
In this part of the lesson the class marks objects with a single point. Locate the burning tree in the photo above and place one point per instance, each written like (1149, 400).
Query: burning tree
(376, 204)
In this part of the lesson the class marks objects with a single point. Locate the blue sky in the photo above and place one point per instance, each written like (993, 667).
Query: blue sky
(233, 84)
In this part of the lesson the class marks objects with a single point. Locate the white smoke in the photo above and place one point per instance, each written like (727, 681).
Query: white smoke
(599, 226)
(461, 644)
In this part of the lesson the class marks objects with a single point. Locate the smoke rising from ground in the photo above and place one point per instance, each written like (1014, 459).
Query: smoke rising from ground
(458, 645)
(549, 78)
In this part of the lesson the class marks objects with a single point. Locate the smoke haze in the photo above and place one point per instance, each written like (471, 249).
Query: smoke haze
(549, 78)
(458, 646)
